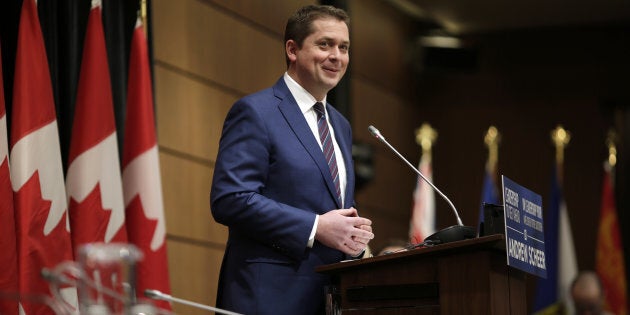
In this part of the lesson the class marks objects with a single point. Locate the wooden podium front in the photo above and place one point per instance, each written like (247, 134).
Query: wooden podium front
(464, 277)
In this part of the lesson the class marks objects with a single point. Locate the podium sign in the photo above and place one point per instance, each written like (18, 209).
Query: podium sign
(524, 237)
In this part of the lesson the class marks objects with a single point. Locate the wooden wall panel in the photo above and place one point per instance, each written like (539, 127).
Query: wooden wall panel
(194, 275)
(187, 200)
(197, 38)
(386, 112)
(270, 14)
(381, 48)
(190, 113)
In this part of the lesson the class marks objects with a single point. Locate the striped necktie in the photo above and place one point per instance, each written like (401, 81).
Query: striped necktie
(327, 145)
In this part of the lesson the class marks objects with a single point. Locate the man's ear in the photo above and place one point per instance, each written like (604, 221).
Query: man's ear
(291, 49)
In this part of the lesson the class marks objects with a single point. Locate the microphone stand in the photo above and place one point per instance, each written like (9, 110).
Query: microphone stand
(450, 234)
(157, 295)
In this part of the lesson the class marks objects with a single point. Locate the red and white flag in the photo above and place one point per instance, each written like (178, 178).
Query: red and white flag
(141, 173)
(43, 236)
(8, 261)
(609, 260)
(423, 212)
(93, 182)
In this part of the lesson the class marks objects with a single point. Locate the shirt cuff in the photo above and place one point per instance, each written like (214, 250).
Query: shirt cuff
(311, 238)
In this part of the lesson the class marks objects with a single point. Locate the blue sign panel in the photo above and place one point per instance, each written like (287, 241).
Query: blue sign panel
(524, 237)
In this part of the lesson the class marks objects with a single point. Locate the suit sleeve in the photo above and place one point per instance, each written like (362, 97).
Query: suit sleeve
(240, 174)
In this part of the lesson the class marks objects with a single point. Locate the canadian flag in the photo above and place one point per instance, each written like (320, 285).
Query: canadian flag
(42, 230)
(423, 211)
(93, 180)
(141, 174)
(8, 261)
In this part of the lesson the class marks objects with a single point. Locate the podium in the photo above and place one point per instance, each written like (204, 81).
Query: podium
(463, 277)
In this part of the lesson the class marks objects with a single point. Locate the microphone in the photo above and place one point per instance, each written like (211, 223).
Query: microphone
(157, 295)
(450, 234)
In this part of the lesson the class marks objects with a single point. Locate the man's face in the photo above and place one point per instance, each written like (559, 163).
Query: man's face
(323, 58)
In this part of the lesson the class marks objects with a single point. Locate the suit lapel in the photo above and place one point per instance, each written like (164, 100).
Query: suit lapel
(291, 112)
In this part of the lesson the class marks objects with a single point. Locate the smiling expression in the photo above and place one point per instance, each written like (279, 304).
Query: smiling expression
(323, 58)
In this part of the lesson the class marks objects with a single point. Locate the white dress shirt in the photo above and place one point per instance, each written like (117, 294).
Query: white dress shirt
(306, 101)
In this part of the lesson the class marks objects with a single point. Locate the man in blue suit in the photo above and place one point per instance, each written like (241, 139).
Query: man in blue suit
(284, 180)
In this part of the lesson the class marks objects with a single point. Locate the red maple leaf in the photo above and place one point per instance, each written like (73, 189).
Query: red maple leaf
(89, 220)
(152, 271)
(35, 249)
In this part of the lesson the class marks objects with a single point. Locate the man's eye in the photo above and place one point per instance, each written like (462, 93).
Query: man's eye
(323, 44)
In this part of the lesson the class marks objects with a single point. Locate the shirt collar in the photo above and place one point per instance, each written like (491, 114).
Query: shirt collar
(303, 98)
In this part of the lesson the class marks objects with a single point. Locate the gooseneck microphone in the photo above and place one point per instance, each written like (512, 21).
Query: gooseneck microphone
(157, 295)
(450, 234)
(377, 134)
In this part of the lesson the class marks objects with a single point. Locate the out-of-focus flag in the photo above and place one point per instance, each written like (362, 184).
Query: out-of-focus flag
(43, 236)
(609, 262)
(554, 292)
(141, 174)
(8, 243)
(93, 182)
(489, 192)
(423, 212)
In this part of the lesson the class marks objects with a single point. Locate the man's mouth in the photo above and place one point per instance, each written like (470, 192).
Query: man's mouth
(331, 69)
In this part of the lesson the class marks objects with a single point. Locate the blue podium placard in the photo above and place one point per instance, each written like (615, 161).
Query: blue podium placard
(524, 237)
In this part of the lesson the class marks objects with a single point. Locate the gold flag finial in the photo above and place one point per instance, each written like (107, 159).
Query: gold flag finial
(492, 140)
(560, 138)
(143, 16)
(611, 140)
(425, 137)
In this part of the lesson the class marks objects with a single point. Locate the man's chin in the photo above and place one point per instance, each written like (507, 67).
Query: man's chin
(331, 82)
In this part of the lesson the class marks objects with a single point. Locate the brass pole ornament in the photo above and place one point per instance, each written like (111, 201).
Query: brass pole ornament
(611, 140)
(143, 16)
(492, 140)
(425, 137)
(560, 138)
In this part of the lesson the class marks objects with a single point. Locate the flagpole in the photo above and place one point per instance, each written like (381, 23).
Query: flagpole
(567, 260)
(492, 140)
(560, 138)
(423, 210)
(489, 192)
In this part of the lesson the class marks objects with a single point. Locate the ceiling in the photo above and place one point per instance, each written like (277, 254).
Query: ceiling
(481, 16)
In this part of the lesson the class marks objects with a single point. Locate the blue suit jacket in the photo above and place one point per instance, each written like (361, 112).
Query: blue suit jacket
(270, 180)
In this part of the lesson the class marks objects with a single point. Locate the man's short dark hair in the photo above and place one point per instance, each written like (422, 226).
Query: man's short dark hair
(300, 24)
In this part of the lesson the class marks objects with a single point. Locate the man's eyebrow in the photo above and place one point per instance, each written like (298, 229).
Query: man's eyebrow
(327, 38)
